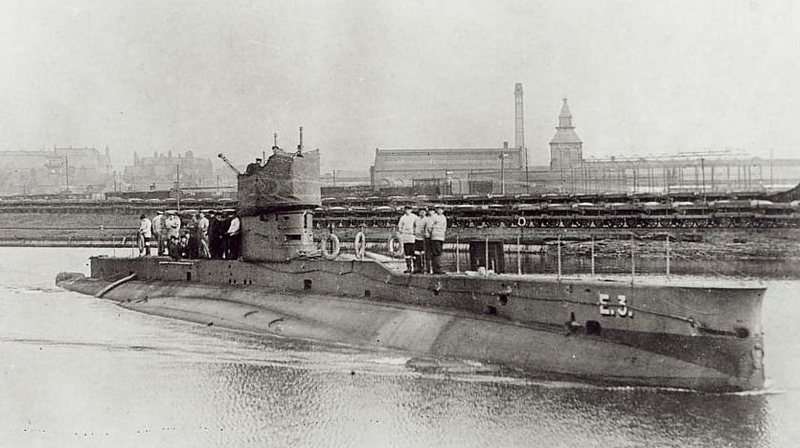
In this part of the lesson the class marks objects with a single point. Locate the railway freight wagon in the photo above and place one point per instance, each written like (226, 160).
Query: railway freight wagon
(545, 211)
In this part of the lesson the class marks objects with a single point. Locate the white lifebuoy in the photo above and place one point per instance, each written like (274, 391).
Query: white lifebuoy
(360, 245)
(522, 222)
(333, 252)
(395, 247)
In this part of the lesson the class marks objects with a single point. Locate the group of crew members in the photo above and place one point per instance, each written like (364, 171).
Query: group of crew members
(422, 236)
(217, 235)
(206, 234)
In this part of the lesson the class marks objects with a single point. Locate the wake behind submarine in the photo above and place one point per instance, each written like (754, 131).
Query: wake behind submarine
(705, 337)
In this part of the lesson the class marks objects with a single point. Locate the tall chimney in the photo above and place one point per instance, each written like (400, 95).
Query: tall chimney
(519, 125)
(519, 131)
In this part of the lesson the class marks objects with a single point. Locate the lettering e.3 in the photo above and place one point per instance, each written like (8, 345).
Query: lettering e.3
(607, 308)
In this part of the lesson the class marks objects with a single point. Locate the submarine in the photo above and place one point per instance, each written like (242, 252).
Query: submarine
(702, 334)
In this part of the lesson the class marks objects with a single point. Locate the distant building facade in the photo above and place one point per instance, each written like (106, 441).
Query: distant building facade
(481, 171)
(56, 171)
(454, 171)
(344, 178)
(161, 172)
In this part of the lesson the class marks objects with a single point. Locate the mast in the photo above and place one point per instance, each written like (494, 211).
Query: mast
(66, 169)
(178, 184)
(300, 144)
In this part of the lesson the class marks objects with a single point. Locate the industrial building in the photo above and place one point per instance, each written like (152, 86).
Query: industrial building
(455, 170)
(505, 170)
(452, 171)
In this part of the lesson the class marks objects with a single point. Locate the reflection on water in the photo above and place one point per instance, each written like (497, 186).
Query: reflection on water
(369, 410)
(78, 371)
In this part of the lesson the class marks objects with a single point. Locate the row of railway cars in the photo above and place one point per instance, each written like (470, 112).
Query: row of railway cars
(549, 210)
(720, 213)
(122, 205)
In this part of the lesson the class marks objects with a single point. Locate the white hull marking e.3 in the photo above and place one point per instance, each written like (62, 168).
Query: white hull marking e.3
(607, 308)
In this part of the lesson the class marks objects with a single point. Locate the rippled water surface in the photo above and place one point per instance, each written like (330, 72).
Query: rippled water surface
(78, 371)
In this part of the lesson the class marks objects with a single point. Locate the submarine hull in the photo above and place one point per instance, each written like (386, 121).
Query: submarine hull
(704, 338)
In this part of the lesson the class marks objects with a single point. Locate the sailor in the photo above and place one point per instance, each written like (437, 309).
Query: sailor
(144, 234)
(234, 237)
(202, 234)
(185, 246)
(419, 241)
(163, 237)
(437, 239)
(406, 229)
(225, 225)
(174, 248)
(158, 228)
(192, 248)
(216, 230)
(173, 224)
(426, 229)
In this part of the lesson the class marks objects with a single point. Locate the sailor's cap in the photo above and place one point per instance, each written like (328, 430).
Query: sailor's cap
(229, 210)
(171, 212)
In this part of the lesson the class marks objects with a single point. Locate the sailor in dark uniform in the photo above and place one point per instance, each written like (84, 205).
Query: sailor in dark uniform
(215, 232)
(174, 248)
(225, 224)
(192, 245)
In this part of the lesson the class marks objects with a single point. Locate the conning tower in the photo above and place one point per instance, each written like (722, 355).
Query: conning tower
(276, 205)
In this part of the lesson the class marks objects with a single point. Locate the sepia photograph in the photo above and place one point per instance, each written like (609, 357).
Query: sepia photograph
(377, 223)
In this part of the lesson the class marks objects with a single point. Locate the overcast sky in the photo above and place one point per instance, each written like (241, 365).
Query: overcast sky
(642, 77)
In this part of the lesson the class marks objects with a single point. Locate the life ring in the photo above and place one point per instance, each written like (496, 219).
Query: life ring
(522, 222)
(395, 247)
(333, 252)
(360, 245)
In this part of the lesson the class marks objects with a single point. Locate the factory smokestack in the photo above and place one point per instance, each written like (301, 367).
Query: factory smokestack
(519, 130)
(519, 124)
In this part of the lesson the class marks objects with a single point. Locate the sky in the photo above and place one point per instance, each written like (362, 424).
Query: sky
(642, 77)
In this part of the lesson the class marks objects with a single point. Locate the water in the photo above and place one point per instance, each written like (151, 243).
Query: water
(80, 372)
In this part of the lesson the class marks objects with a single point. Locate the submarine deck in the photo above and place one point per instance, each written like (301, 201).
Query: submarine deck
(397, 267)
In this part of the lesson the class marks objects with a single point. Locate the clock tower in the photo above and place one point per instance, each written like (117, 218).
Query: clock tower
(566, 148)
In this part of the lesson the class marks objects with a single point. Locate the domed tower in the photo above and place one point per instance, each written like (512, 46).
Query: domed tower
(566, 148)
